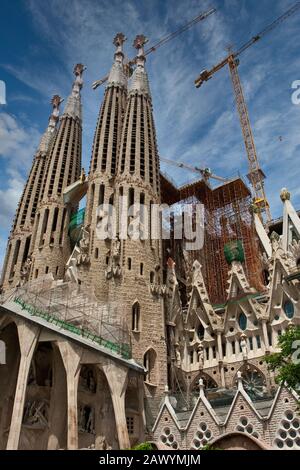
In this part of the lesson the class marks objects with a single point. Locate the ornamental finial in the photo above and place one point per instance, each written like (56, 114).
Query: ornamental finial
(77, 85)
(79, 69)
(119, 39)
(140, 41)
(55, 102)
(285, 195)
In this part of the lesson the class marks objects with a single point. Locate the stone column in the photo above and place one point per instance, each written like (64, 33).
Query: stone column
(142, 417)
(265, 335)
(117, 378)
(221, 358)
(28, 338)
(58, 404)
(71, 356)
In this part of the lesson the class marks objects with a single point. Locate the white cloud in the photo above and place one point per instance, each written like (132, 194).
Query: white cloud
(193, 125)
(17, 147)
(17, 144)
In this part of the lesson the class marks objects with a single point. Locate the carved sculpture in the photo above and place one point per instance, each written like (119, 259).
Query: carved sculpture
(200, 355)
(36, 413)
(25, 270)
(244, 346)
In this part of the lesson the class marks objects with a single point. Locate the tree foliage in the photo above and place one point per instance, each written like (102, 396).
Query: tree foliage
(143, 446)
(286, 363)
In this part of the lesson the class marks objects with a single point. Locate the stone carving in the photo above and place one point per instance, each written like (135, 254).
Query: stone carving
(86, 419)
(25, 270)
(83, 256)
(103, 444)
(72, 271)
(77, 85)
(87, 380)
(244, 346)
(36, 413)
(177, 354)
(200, 355)
(114, 268)
(197, 274)
(56, 101)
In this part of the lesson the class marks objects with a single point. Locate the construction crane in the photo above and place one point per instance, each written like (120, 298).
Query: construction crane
(204, 172)
(256, 176)
(162, 42)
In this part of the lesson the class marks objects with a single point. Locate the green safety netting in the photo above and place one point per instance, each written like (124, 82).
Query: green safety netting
(77, 219)
(75, 225)
(122, 349)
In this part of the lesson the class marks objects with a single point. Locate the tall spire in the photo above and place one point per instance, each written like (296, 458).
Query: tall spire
(73, 106)
(103, 166)
(109, 125)
(138, 149)
(139, 81)
(18, 249)
(117, 76)
(136, 262)
(50, 244)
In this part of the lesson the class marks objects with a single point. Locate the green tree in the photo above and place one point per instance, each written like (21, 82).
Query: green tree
(143, 446)
(286, 363)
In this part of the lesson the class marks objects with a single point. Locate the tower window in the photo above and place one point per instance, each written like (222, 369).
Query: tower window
(54, 222)
(130, 424)
(141, 269)
(200, 331)
(242, 320)
(150, 365)
(101, 194)
(288, 308)
(152, 277)
(96, 253)
(136, 317)
(129, 264)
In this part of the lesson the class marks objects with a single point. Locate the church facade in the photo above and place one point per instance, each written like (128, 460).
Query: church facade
(114, 333)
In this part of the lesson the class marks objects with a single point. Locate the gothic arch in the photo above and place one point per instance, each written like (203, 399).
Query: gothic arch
(44, 423)
(87, 405)
(238, 441)
(136, 316)
(150, 365)
(209, 382)
(133, 404)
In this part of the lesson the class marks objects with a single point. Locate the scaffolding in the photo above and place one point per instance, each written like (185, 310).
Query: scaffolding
(74, 309)
(228, 219)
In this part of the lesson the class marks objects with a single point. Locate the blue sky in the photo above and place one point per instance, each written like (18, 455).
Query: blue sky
(40, 41)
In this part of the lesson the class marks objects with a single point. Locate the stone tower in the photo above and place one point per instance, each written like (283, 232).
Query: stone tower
(17, 262)
(50, 244)
(135, 261)
(103, 169)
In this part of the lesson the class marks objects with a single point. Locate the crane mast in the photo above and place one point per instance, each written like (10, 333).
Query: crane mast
(256, 175)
